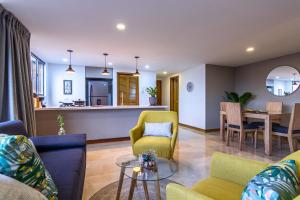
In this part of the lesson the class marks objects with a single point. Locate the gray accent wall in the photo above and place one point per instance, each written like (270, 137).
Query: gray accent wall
(252, 78)
(218, 80)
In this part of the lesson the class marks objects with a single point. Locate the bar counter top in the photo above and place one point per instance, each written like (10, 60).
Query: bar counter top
(99, 108)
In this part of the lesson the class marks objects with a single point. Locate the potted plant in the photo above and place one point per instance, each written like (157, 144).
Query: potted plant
(152, 91)
(234, 97)
(61, 123)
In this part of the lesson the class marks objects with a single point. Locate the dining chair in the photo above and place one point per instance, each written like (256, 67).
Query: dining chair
(235, 123)
(292, 132)
(271, 107)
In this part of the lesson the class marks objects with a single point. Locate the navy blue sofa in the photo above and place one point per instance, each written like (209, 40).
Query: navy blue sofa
(64, 157)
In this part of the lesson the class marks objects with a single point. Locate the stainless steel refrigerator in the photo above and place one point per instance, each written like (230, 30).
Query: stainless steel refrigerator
(99, 92)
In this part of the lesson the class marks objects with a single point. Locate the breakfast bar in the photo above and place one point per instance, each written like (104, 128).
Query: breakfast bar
(101, 123)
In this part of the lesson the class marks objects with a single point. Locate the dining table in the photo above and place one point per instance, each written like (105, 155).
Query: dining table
(268, 119)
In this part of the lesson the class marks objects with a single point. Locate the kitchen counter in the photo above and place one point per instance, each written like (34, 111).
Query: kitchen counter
(100, 108)
(100, 123)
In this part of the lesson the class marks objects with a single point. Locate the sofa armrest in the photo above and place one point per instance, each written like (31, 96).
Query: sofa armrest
(46, 143)
(235, 169)
(179, 192)
(135, 134)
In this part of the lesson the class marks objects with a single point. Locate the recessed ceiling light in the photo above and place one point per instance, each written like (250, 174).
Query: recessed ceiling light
(277, 77)
(121, 27)
(110, 63)
(165, 72)
(64, 59)
(250, 49)
(147, 66)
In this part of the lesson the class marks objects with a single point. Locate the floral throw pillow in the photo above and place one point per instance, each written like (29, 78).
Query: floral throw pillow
(19, 160)
(277, 182)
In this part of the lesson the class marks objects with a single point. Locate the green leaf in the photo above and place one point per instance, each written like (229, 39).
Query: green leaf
(245, 98)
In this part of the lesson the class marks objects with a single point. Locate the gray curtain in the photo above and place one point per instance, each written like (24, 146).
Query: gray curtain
(16, 100)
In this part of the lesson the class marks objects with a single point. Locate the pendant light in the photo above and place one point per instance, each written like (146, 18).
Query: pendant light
(70, 70)
(105, 72)
(137, 73)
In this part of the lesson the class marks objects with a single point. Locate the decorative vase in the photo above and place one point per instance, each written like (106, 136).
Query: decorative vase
(61, 131)
(152, 101)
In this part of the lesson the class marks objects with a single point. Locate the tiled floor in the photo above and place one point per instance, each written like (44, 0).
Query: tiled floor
(193, 152)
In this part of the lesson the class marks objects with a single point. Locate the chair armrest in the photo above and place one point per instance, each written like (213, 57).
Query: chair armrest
(135, 134)
(235, 169)
(174, 139)
(46, 143)
(179, 192)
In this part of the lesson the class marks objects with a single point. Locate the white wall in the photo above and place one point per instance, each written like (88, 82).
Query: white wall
(191, 104)
(55, 75)
(146, 79)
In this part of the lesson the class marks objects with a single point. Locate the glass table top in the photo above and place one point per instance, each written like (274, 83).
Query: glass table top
(132, 169)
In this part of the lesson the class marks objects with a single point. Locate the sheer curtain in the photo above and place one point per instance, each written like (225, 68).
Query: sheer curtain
(16, 100)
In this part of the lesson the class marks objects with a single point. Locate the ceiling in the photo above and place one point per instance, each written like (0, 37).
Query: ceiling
(168, 35)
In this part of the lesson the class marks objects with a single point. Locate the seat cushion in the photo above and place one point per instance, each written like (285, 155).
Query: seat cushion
(219, 189)
(67, 168)
(161, 145)
(282, 129)
(246, 126)
(261, 124)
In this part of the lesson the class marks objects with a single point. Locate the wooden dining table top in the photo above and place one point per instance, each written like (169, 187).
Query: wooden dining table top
(259, 114)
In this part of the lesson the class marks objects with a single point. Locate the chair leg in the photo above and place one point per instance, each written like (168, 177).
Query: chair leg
(241, 139)
(279, 142)
(255, 139)
(227, 137)
(291, 144)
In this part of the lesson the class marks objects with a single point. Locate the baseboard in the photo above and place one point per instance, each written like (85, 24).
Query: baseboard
(199, 129)
(97, 141)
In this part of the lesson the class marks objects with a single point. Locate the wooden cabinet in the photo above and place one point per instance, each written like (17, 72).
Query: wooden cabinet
(128, 89)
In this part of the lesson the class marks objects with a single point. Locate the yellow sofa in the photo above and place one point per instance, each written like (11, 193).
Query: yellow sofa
(163, 146)
(228, 177)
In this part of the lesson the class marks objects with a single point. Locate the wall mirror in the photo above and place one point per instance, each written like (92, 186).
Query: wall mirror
(283, 81)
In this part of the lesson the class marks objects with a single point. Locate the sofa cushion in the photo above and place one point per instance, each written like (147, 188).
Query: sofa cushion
(13, 189)
(46, 143)
(67, 168)
(219, 189)
(19, 160)
(277, 182)
(162, 129)
(14, 127)
(161, 145)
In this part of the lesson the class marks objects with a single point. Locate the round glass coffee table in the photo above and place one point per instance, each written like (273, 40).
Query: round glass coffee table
(131, 168)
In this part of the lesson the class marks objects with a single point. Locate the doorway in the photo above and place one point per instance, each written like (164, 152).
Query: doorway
(159, 91)
(174, 93)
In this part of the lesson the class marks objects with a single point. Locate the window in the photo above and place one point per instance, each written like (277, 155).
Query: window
(37, 74)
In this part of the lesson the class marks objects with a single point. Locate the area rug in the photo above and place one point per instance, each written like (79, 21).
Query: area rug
(109, 192)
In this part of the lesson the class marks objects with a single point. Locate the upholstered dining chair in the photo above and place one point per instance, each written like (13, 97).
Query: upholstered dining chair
(292, 132)
(271, 107)
(235, 123)
(163, 146)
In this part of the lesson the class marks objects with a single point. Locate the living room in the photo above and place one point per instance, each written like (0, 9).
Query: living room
(149, 100)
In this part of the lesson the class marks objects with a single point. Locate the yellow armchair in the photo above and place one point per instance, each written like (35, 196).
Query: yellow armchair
(163, 146)
(228, 177)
